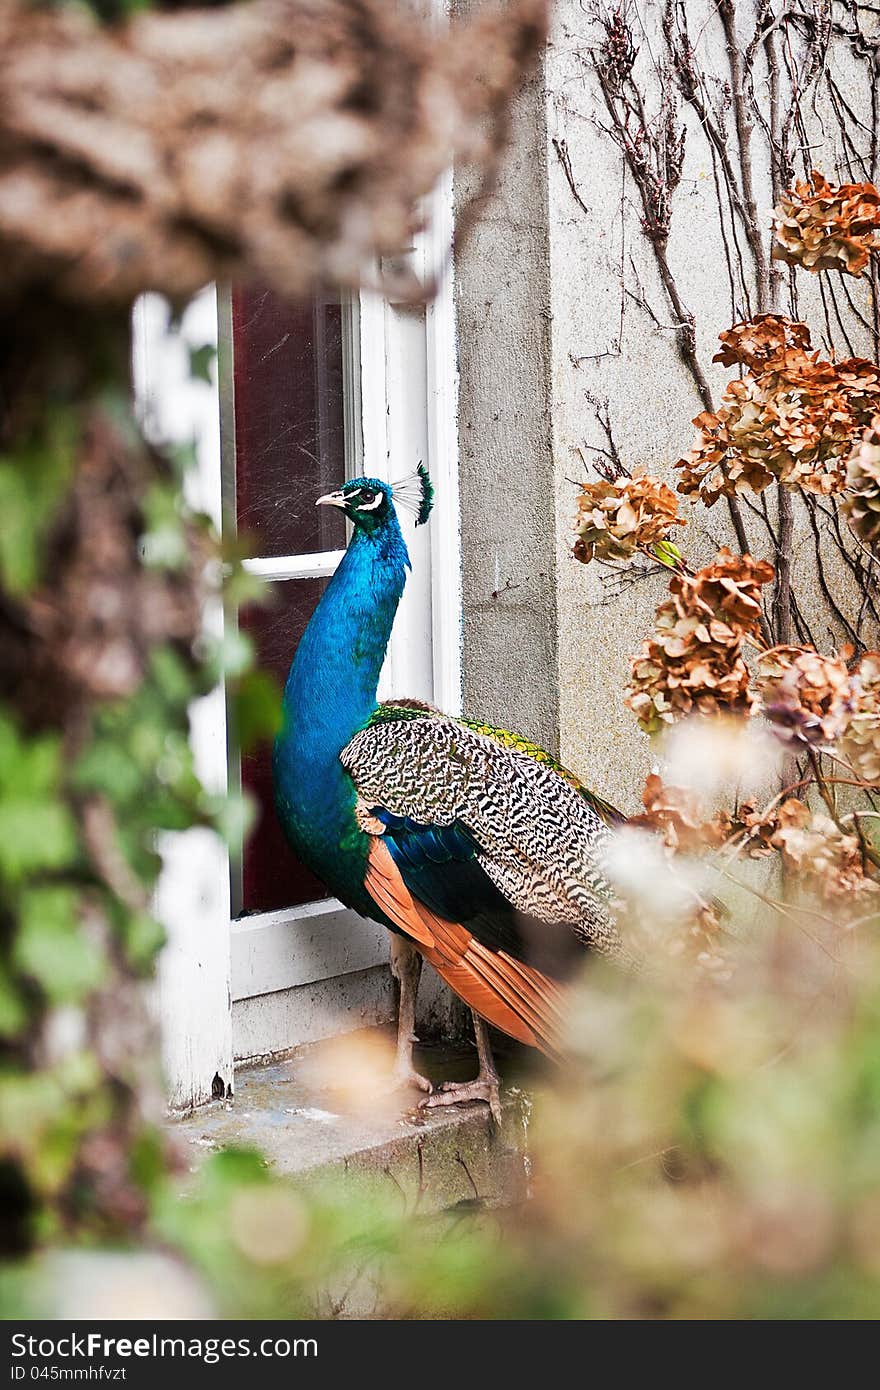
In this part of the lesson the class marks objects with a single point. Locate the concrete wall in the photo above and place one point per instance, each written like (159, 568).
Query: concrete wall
(505, 444)
(549, 325)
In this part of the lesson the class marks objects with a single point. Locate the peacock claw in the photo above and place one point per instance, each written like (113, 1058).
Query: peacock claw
(408, 1076)
(460, 1092)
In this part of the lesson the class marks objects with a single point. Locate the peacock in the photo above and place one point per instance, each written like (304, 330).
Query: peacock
(476, 849)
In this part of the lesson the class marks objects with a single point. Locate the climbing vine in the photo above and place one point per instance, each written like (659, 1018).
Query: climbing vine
(746, 86)
(790, 447)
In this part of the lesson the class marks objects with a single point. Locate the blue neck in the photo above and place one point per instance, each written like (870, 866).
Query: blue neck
(331, 691)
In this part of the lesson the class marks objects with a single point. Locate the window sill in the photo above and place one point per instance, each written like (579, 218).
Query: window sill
(436, 1159)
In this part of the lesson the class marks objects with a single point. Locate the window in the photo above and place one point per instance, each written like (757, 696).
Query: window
(296, 435)
(259, 957)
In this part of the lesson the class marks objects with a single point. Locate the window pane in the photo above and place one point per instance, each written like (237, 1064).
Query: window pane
(271, 876)
(289, 420)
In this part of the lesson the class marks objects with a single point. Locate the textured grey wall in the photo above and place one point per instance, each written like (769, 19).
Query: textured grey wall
(546, 328)
(505, 446)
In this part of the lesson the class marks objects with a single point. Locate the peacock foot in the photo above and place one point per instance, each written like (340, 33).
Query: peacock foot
(459, 1092)
(405, 1074)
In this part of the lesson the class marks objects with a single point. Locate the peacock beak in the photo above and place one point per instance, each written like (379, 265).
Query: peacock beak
(331, 499)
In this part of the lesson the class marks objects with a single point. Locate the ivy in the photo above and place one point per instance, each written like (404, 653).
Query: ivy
(31, 489)
(37, 830)
(52, 948)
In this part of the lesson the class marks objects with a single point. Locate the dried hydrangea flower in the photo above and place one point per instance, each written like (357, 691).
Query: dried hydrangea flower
(861, 506)
(617, 519)
(759, 342)
(805, 696)
(756, 829)
(822, 854)
(693, 661)
(678, 816)
(860, 742)
(823, 226)
(791, 417)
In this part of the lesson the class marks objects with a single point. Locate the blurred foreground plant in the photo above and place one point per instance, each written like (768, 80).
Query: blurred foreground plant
(712, 1150)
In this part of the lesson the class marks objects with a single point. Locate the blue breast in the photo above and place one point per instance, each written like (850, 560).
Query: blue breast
(330, 694)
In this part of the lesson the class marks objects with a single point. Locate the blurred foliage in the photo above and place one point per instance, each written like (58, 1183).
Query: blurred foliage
(31, 484)
(712, 1151)
(95, 762)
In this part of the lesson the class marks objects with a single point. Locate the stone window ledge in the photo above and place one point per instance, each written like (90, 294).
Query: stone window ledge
(438, 1159)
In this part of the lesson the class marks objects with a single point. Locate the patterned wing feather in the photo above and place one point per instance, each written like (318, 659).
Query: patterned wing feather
(604, 810)
(451, 795)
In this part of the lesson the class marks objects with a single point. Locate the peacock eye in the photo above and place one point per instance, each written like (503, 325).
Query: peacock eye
(367, 494)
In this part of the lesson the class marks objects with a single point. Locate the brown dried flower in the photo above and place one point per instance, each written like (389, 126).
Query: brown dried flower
(281, 142)
(756, 829)
(806, 696)
(824, 855)
(861, 506)
(696, 939)
(693, 662)
(759, 342)
(860, 742)
(616, 519)
(791, 417)
(823, 226)
(677, 815)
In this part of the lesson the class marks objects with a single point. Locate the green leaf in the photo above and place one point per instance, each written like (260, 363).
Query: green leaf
(146, 1158)
(164, 540)
(232, 654)
(201, 362)
(31, 487)
(105, 766)
(13, 1011)
(28, 767)
(144, 938)
(18, 537)
(171, 675)
(232, 817)
(35, 835)
(256, 706)
(51, 945)
(668, 554)
(183, 456)
(241, 587)
(234, 1166)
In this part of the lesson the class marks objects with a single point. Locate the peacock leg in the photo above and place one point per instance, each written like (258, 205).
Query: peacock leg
(485, 1085)
(406, 967)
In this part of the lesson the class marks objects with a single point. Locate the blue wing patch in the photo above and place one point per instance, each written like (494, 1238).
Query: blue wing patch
(439, 865)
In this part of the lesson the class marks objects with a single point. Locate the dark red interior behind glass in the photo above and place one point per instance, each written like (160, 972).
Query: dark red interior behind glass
(271, 876)
(289, 421)
(289, 449)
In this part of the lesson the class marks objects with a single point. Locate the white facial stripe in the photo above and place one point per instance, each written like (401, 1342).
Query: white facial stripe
(371, 506)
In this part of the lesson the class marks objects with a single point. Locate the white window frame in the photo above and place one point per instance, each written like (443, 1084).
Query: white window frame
(408, 393)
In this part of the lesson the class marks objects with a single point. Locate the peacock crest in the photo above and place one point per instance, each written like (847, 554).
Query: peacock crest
(415, 494)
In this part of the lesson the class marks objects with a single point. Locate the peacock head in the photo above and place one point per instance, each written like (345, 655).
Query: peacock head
(370, 502)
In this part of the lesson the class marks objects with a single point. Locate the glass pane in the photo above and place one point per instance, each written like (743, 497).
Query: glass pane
(271, 876)
(290, 447)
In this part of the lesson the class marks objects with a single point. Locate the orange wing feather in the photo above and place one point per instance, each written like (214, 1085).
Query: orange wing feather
(509, 994)
(388, 890)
